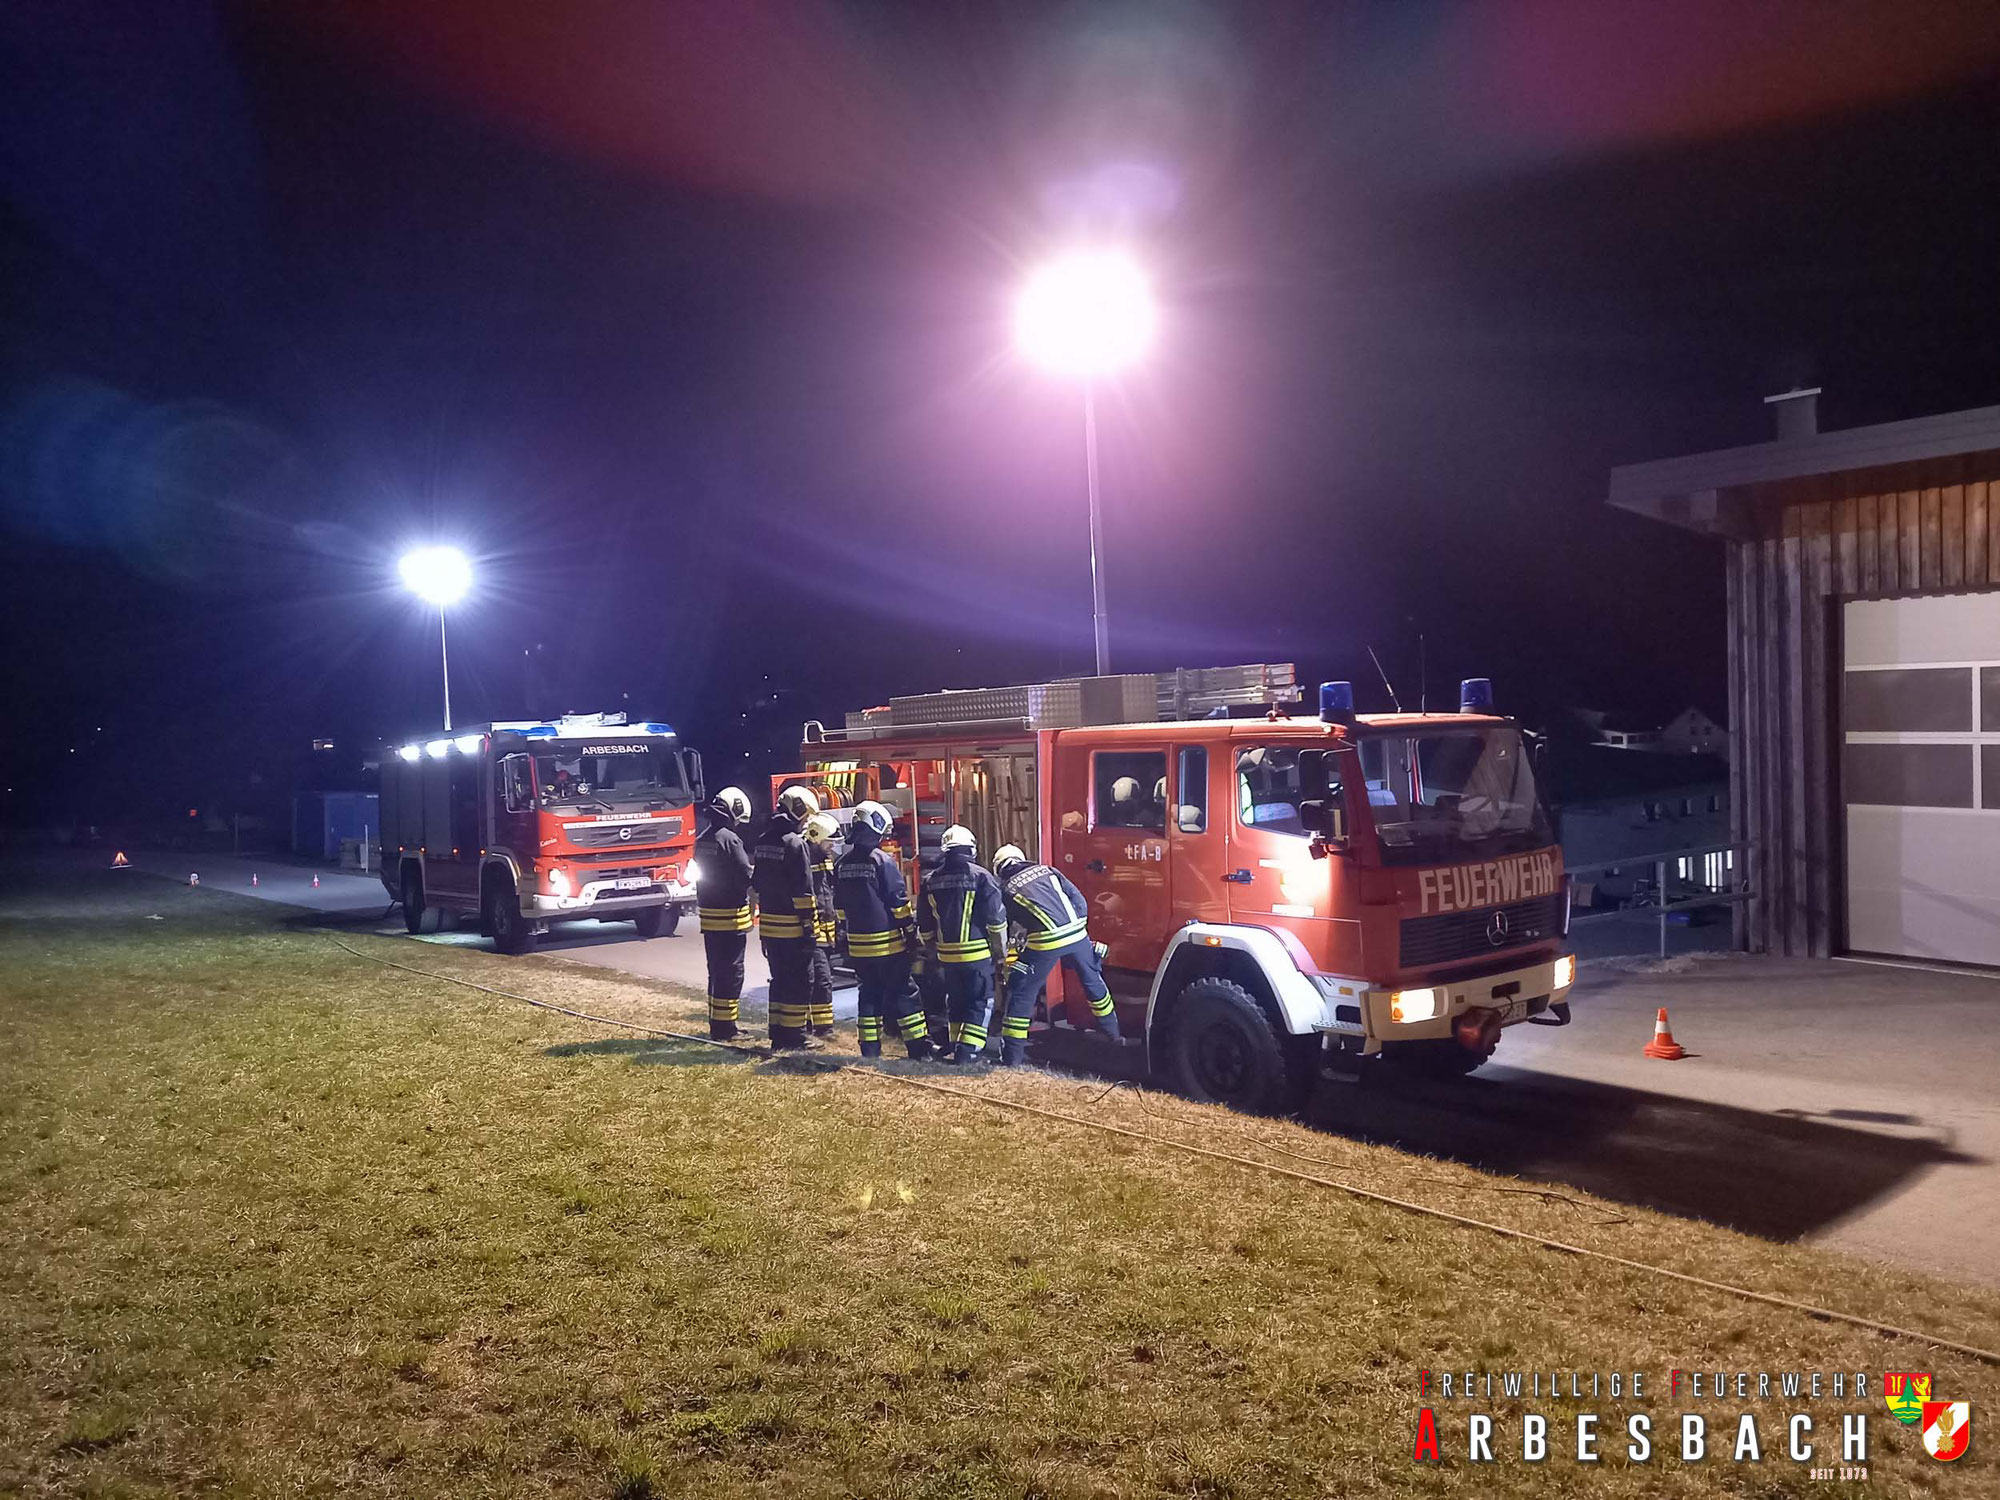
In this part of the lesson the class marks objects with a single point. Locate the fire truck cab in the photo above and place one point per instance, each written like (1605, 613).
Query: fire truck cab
(525, 824)
(1275, 890)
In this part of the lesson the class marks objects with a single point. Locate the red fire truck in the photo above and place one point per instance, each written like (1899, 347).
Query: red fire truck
(542, 821)
(1276, 890)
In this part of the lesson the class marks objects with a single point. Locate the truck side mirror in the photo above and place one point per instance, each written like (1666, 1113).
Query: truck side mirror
(1314, 778)
(1325, 819)
(694, 777)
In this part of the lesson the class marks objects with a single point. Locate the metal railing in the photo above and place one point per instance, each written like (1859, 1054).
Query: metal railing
(1659, 898)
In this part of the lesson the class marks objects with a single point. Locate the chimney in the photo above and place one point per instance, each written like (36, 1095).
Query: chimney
(1798, 413)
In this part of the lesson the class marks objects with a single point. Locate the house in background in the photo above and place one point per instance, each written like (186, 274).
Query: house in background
(1689, 732)
(1615, 803)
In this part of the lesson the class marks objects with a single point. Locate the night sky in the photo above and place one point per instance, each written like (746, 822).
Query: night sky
(691, 324)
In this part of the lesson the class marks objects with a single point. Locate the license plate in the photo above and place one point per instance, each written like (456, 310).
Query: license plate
(632, 883)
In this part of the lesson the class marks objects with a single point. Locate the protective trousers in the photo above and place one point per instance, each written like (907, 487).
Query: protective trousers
(888, 999)
(1024, 988)
(725, 980)
(791, 963)
(968, 990)
(820, 1000)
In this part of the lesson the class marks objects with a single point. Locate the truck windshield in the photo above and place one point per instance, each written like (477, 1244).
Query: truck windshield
(1450, 794)
(610, 774)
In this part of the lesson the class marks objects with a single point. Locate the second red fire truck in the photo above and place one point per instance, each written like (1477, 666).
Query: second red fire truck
(520, 825)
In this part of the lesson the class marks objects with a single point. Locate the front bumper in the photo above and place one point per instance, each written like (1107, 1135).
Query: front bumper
(1518, 995)
(605, 898)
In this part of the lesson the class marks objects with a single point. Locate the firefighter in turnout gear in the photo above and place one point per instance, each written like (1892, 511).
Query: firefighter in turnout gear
(1052, 912)
(881, 932)
(722, 900)
(962, 905)
(822, 832)
(786, 915)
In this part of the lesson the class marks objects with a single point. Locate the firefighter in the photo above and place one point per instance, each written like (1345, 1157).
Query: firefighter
(962, 905)
(823, 845)
(881, 932)
(786, 913)
(1054, 914)
(722, 900)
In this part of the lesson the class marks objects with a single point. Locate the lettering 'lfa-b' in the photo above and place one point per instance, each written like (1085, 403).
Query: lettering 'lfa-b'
(1906, 1391)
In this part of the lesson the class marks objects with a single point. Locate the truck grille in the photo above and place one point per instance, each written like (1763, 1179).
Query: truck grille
(1471, 934)
(605, 835)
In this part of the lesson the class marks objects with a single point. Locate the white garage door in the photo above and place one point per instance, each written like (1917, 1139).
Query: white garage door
(1920, 772)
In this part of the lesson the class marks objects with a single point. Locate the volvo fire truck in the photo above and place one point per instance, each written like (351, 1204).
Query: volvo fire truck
(1279, 893)
(525, 824)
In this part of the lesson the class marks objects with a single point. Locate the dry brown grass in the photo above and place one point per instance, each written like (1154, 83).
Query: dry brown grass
(282, 1220)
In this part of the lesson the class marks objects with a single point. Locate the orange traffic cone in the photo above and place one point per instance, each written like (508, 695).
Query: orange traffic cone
(194, 877)
(315, 882)
(1663, 1045)
(253, 879)
(120, 862)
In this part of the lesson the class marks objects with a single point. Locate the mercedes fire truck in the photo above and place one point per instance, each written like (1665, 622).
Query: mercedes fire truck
(525, 824)
(1276, 890)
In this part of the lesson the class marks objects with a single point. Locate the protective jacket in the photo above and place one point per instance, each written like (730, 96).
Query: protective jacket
(823, 856)
(868, 885)
(1047, 906)
(782, 877)
(961, 903)
(722, 889)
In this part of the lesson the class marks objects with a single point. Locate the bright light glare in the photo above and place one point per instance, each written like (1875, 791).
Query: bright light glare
(1085, 315)
(437, 749)
(410, 752)
(468, 744)
(436, 575)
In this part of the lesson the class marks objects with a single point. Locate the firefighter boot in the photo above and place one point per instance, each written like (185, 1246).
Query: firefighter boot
(1013, 1052)
(1107, 1019)
(870, 1028)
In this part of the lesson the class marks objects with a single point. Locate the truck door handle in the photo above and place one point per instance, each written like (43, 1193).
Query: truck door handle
(1096, 867)
(1238, 877)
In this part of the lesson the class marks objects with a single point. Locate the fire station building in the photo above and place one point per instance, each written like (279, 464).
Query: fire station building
(1864, 675)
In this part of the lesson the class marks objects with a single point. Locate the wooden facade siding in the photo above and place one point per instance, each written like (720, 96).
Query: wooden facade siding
(1810, 545)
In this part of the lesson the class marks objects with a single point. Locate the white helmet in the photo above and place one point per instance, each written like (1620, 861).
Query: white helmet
(958, 836)
(822, 826)
(1160, 791)
(1125, 789)
(874, 817)
(1007, 856)
(799, 802)
(734, 803)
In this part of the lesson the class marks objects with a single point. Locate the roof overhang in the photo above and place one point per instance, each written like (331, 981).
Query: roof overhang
(1719, 492)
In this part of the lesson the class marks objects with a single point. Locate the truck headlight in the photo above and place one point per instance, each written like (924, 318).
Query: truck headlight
(1414, 1005)
(559, 882)
(1566, 971)
(691, 874)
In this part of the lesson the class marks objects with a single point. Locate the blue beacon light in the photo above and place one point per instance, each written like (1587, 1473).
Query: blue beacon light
(1336, 701)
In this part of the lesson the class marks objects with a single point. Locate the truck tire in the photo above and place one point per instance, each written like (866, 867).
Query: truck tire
(657, 921)
(414, 914)
(1438, 1057)
(1223, 1049)
(512, 932)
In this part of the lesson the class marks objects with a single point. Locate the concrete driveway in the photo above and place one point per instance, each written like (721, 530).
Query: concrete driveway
(1844, 1103)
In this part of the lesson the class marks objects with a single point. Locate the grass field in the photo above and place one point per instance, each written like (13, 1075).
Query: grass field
(281, 1220)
